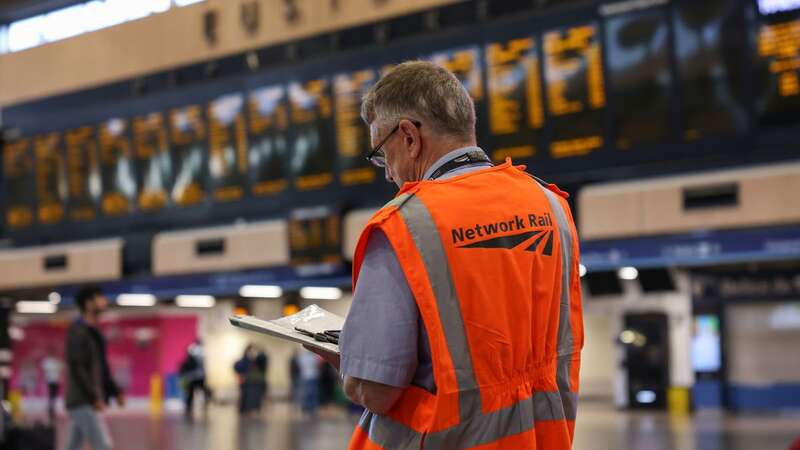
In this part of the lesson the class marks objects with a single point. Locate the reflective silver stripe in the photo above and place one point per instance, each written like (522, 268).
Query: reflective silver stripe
(397, 201)
(388, 433)
(566, 341)
(429, 245)
(570, 402)
(478, 430)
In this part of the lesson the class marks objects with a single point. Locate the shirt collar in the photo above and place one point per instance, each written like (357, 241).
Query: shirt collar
(449, 157)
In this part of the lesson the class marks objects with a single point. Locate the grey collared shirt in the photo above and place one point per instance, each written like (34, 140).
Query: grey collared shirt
(384, 339)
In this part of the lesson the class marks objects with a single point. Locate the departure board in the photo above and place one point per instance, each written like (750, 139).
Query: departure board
(516, 112)
(778, 70)
(637, 58)
(629, 85)
(188, 137)
(576, 96)
(352, 135)
(51, 178)
(82, 174)
(153, 161)
(709, 43)
(312, 152)
(315, 240)
(117, 172)
(465, 63)
(18, 176)
(269, 141)
(227, 143)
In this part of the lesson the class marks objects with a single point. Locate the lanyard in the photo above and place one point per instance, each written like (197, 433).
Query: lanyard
(467, 159)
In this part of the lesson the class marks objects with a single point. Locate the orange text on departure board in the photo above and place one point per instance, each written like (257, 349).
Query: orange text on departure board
(568, 53)
(513, 67)
(780, 44)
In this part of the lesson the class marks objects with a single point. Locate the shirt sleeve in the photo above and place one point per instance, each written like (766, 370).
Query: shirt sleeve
(380, 336)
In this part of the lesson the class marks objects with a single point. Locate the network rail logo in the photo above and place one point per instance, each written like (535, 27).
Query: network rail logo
(531, 233)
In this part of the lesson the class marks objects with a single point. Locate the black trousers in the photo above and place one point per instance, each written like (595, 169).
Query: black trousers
(191, 388)
(52, 394)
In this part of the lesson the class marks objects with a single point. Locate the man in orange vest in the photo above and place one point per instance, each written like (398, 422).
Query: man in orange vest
(466, 326)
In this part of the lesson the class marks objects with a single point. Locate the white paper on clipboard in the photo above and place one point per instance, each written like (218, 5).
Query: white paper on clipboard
(313, 319)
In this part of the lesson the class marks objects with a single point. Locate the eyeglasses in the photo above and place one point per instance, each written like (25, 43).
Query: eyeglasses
(377, 157)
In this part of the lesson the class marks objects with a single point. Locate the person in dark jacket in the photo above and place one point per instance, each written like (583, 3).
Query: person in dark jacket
(193, 372)
(89, 382)
(252, 370)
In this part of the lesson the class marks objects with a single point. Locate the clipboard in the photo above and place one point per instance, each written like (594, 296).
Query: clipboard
(312, 318)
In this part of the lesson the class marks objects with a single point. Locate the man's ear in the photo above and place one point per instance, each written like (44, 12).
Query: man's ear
(411, 138)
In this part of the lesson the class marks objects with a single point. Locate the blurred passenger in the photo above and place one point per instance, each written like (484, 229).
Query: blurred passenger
(89, 382)
(327, 384)
(263, 360)
(309, 365)
(28, 378)
(51, 366)
(252, 371)
(294, 378)
(193, 374)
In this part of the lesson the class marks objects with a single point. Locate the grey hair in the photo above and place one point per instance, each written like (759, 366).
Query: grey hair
(424, 91)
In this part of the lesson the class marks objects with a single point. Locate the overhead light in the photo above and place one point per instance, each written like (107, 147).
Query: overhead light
(628, 273)
(259, 291)
(54, 298)
(582, 270)
(195, 301)
(35, 307)
(321, 293)
(136, 299)
(627, 337)
(646, 397)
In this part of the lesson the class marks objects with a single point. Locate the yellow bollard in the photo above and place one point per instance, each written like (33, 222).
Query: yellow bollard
(15, 401)
(678, 401)
(156, 395)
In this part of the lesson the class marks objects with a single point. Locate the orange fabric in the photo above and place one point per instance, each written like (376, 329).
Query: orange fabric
(553, 434)
(360, 441)
(509, 293)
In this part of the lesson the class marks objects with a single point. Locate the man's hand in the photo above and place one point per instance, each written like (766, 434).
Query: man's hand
(121, 400)
(376, 397)
(330, 358)
(99, 406)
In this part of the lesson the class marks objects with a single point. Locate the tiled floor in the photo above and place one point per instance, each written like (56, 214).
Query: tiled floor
(599, 427)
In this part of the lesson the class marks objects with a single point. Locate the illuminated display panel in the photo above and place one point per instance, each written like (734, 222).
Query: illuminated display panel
(637, 58)
(153, 161)
(117, 174)
(516, 111)
(312, 152)
(83, 175)
(544, 95)
(352, 135)
(227, 144)
(188, 137)
(17, 174)
(269, 141)
(709, 43)
(465, 63)
(576, 97)
(315, 239)
(778, 69)
(51, 178)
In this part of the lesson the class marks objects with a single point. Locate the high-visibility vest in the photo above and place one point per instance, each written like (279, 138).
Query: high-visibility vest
(491, 258)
